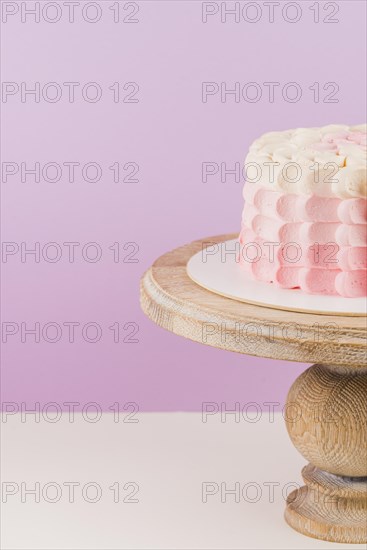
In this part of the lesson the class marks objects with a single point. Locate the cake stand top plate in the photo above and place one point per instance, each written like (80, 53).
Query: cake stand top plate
(173, 301)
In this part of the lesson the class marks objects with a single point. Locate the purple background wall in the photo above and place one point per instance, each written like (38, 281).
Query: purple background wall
(169, 133)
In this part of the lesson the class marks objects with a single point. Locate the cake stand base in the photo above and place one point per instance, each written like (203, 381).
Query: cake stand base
(326, 417)
(329, 507)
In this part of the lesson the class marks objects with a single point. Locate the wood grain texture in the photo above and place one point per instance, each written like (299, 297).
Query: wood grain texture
(326, 412)
(329, 507)
(326, 418)
(173, 301)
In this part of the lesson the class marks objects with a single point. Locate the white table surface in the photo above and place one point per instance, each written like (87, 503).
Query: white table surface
(168, 456)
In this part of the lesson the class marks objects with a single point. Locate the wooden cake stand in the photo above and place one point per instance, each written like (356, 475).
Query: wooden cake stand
(326, 410)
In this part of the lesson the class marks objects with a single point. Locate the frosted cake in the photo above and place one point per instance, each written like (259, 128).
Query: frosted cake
(304, 222)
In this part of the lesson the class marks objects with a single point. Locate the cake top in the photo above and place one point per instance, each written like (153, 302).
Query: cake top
(329, 161)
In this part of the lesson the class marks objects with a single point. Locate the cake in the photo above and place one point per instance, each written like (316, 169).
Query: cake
(304, 222)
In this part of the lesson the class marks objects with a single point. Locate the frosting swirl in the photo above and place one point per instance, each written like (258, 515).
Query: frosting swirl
(329, 161)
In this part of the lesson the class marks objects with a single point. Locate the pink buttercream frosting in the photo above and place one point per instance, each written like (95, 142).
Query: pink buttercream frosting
(304, 226)
(313, 241)
(336, 141)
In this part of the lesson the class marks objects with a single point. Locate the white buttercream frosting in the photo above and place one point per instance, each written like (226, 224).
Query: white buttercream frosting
(329, 161)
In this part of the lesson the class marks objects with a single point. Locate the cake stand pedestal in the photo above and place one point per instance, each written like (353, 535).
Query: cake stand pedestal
(326, 410)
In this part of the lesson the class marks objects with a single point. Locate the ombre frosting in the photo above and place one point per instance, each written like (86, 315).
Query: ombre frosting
(304, 223)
